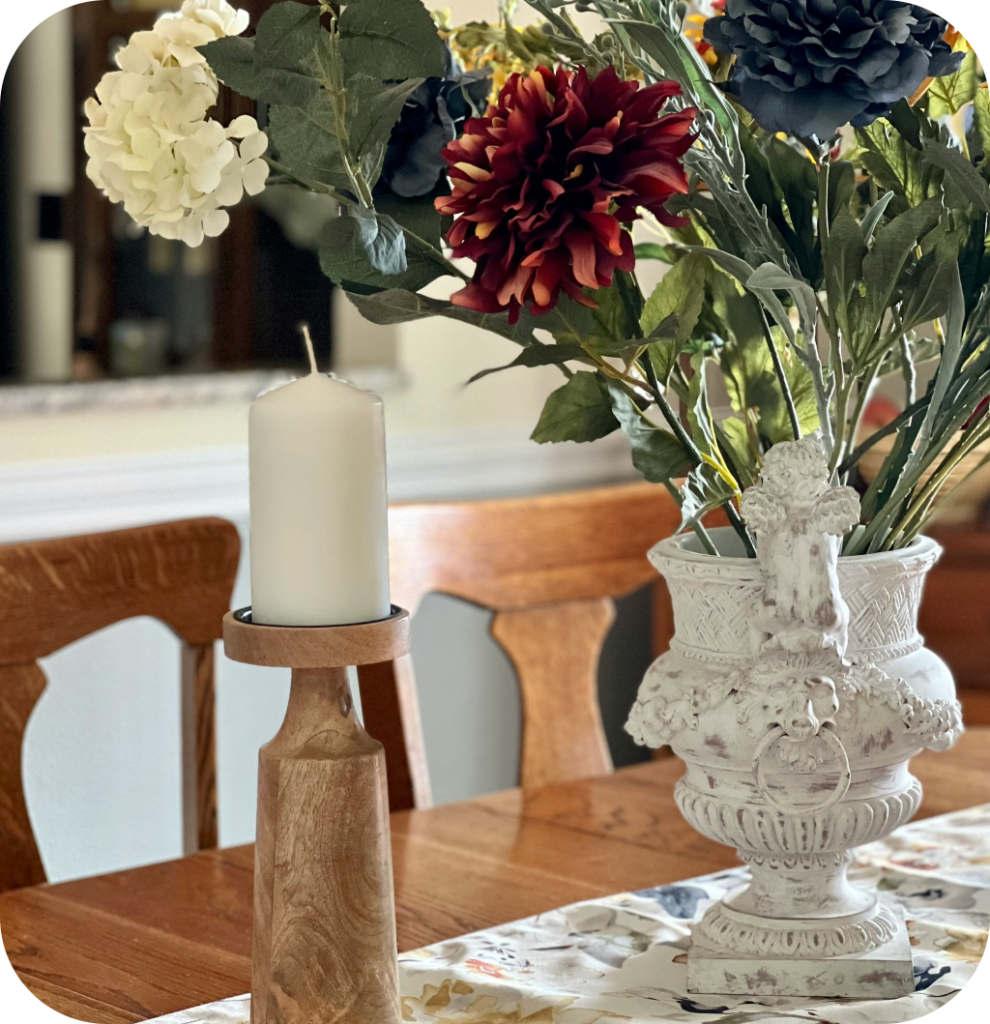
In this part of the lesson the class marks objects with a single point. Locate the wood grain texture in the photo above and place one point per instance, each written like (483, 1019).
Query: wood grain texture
(518, 553)
(21, 686)
(555, 651)
(324, 915)
(324, 946)
(199, 754)
(124, 947)
(390, 706)
(363, 643)
(55, 592)
(518, 557)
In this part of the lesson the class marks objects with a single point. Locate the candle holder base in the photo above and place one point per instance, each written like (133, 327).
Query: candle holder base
(324, 946)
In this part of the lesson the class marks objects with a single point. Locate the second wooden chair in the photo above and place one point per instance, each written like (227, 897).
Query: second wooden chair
(549, 568)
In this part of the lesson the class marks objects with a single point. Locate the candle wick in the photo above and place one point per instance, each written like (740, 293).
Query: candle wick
(309, 348)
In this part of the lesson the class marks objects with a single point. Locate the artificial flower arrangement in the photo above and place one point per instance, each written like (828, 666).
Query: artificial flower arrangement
(817, 173)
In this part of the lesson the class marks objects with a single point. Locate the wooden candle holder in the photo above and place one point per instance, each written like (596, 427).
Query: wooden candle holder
(324, 946)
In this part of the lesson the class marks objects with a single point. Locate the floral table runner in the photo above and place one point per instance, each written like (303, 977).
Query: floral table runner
(622, 958)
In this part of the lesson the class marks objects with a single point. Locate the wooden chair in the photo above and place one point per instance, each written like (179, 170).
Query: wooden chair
(54, 592)
(548, 567)
(955, 614)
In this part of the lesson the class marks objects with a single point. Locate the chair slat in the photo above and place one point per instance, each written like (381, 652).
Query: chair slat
(555, 650)
(199, 758)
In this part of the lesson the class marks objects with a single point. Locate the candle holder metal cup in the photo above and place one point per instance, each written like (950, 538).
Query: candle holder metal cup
(324, 945)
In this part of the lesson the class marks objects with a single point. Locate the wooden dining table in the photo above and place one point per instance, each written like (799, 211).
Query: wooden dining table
(140, 943)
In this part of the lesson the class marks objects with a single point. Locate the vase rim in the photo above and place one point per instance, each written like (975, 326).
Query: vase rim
(921, 547)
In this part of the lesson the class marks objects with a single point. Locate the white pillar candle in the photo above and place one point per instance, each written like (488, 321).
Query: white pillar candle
(319, 522)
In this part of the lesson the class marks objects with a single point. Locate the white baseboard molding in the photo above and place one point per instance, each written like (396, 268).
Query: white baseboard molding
(65, 497)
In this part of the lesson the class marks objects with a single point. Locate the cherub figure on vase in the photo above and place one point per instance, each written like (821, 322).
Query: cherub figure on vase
(796, 690)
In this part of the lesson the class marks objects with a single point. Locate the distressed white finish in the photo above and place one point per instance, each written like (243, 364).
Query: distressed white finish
(885, 971)
(797, 688)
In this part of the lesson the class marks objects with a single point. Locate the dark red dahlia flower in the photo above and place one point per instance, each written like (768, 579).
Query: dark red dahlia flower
(543, 183)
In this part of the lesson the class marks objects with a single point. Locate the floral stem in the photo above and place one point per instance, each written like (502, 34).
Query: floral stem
(865, 384)
(974, 436)
(700, 532)
(317, 186)
(685, 438)
(778, 367)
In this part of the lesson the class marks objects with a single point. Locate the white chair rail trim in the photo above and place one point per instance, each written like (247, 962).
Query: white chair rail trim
(63, 497)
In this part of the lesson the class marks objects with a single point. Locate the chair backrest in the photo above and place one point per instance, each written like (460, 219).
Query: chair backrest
(548, 567)
(54, 592)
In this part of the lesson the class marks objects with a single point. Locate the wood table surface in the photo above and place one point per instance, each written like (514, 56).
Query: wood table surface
(149, 941)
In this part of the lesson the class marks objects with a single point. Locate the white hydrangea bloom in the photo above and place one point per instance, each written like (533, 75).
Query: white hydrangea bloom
(150, 143)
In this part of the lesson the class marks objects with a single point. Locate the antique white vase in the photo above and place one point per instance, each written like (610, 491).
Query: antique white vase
(796, 690)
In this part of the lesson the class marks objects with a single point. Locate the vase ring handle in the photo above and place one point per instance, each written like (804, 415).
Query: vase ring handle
(828, 735)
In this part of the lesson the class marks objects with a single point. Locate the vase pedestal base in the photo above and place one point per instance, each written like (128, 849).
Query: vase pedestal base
(886, 972)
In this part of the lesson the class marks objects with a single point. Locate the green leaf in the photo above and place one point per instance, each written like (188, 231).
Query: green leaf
(539, 354)
(950, 93)
(663, 357)
(604, 329)
(417, 213)
(668, 56)
(233, 61)
(391, 39)
(346, 263)
(368, 250)
(893, 246)
(795, 176)
(732, 265)
(306, 141)
(928, 298)
(698, 413)
(680, 293)
(844, 257)
(981, 115)
(373, 110)
(286, 35)
(872, 219)
(966, 177)
(654, 251)
(399, 306)
(895, 164)
(768, 278)
(750, 377)
(734, 437)
(379, 238)
(841, 186)
(657, 454)
(578, 411)
(702, 492)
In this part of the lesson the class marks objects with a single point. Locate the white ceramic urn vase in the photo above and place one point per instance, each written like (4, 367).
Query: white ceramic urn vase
(796, 690)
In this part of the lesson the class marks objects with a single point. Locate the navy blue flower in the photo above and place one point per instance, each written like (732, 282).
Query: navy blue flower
(807, 67)
(433, 115)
